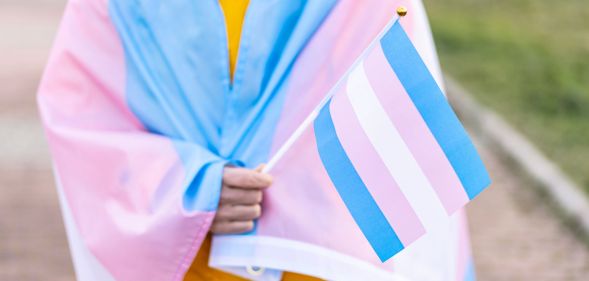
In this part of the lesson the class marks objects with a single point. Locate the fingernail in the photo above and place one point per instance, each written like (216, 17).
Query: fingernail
(260, 167)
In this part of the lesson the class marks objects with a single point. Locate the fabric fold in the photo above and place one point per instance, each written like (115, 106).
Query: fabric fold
(136, 199)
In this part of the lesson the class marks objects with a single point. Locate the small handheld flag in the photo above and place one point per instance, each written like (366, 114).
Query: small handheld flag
(386, 130)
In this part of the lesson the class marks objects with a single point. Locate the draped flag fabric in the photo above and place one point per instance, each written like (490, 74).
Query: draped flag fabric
(141, 117)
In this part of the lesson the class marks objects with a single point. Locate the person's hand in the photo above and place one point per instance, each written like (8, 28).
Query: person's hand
(241, 195)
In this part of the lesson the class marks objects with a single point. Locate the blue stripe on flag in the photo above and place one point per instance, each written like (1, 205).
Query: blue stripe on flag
(352, 189)
(470, 274)
(435, 110)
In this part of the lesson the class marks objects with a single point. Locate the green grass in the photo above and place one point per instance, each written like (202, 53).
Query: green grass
(528, 60)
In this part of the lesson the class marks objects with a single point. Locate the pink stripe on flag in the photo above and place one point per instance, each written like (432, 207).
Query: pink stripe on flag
(414, 131)
(373, 171)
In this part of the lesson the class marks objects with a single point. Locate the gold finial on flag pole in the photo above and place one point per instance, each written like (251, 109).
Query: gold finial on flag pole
(401, 11)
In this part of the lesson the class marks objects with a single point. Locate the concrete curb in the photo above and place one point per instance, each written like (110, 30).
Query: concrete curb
(494, 130)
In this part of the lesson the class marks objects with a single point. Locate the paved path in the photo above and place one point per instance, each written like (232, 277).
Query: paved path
(515, 237)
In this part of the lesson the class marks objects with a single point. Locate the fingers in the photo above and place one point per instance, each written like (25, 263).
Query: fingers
(237, 196)
(232, 227)
(235, 218)
(238, 212)
(246, 178)
(241, 196)
(260, 168)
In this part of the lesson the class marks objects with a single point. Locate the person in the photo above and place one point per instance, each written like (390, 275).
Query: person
(159, 114)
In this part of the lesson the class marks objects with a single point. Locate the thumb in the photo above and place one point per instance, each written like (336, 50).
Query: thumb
(260, 168)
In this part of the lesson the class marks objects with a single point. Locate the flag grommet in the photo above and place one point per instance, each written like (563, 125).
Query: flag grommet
(255, 270)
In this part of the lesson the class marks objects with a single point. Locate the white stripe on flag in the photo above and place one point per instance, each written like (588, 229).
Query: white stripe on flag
(87, 266)
(394, 152)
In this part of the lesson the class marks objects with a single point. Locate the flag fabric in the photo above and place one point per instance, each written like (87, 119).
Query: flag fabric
(141, 118)
(389, 132)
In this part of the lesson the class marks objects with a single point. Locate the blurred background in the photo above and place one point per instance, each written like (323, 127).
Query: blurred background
(525, 60)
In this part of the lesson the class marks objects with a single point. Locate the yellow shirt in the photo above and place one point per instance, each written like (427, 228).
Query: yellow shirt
(234, 11)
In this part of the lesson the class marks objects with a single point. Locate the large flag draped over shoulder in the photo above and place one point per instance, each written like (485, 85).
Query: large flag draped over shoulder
(141, 118)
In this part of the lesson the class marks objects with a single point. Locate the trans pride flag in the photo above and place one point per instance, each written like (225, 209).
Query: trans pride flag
(389, 132)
